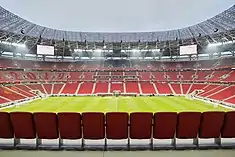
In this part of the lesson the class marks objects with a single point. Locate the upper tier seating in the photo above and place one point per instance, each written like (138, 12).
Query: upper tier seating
(173, 76)
(201, 75)
(144, 76)
(160, 76)
(218, 75)
(230, 77)
(187, 75)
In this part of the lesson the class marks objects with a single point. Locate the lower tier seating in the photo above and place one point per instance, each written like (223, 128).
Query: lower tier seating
(117, 86)
(132, 87)
(147, 88)
(163, 88)
(176, 88)
(101, 87)
(56, 88)
(70, 88)
(48, 88)
(185, 88)
(22, 91)
(86, 88)
(3, 100)
(10, 94)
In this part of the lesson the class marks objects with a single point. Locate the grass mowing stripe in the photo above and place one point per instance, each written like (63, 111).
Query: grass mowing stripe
(108, 104)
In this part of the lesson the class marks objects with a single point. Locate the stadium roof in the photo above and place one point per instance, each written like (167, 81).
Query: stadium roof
(217, 30)
(222, 22)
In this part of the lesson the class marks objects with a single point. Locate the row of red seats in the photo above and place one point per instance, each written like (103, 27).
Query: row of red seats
(117, 125)
(209, 76)
(215, 92)
(226, 62)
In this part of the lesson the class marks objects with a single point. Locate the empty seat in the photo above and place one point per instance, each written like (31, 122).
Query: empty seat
(117, 125)
(228, 130)
(188, 125)
(141, 125)
(46, 125)
(211, 124)
(93, 125)
(164, 125)
(69, 125)
(6, 130)
(23, 125)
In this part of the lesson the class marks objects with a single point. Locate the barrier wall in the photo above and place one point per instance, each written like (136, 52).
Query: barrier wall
(118, 130)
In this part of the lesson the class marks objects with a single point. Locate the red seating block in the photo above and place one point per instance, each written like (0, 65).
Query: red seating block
(93, 125)
(69, 125)
(6, 130)
(164, 125)
(46, 125)
(188, 125)
(23, 125)
(228, 130)
(211, 124)
(141, 125)
(117, 125)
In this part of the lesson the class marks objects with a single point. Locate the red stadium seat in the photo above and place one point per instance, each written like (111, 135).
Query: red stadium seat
(23, 125)
(164, 125)
(117, 125)
(46, 125)
(6, 130)
(141, 125)
(188, 125)
(93, 125)
(69, 125)
(211, 124)
(228, 130)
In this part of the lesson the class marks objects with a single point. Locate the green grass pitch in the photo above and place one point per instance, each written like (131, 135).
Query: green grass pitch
(113, 104)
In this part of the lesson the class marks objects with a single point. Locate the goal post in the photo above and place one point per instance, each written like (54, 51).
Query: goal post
(116, 93)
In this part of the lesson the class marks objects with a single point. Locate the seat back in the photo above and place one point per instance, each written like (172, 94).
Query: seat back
(141, 125)
(6, 130)
(93, 125)
(23, 125)
(211, 124)
(164, 125)
(69, 125)
(117, 125)
(228, 130)
(188, 125)
(46, 125)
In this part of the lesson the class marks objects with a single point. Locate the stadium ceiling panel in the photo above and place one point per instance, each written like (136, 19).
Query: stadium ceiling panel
(220, 23)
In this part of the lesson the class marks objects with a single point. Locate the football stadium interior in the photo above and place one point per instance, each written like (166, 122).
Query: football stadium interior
(146, 90)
